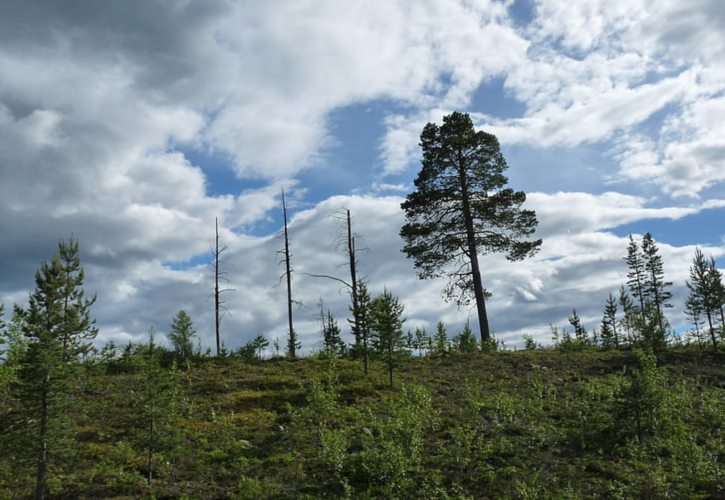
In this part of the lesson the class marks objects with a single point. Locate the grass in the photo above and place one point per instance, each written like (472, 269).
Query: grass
(526, 424)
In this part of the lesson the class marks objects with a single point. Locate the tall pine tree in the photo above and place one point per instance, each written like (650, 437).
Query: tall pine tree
(57, 323)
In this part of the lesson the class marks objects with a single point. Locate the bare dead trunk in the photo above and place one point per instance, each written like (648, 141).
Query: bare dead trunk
(216, 285)
(292, 343)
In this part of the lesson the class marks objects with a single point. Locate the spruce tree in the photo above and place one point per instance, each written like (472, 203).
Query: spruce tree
(579, 331)
(610, 321)
(386, 326)
(629, 316)
(465, 341)
(259, 344)
(636, 279)
(361, 324)
(332, 343)
(440, 339)
(182, 334)
(658, 297)
(156, 409)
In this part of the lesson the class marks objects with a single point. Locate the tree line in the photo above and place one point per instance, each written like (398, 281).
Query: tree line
(636, 316)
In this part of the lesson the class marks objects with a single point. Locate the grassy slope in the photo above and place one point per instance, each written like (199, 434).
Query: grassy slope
(528, 424)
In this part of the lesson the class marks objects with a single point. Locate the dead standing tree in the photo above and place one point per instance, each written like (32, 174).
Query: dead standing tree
(217, 252)
(292, 344)
(359, 323)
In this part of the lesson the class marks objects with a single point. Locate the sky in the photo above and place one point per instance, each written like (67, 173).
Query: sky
(132, 125)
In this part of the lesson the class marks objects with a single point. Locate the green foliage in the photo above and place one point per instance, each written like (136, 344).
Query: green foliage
(182, 334)
(361, 324)
(646, 282)
(155, 405)
(518, 424)
(644, 401)
(563, 341)
(386, 323)
(441, 345)
(56, 324)
(529, 343)
(393, 445)
(77, 326)
(422, 342)
(331, 334)
(706, 294)
(465, 342)
(609, 335)
(14, 345)
(580, 333)
(658, 295)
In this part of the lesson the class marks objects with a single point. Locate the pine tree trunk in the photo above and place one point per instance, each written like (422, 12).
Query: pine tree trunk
(40, 482)
(390, 364)
(150, 456)
(712, 329)
(473, 255)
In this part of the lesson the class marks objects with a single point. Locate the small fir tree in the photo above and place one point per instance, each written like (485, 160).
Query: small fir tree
(332, 342)
(386, 325)
(361, 325)
(259, 344)
(156, 403)
(182, 334)
(610, 337)
(580, 333)
(440, 340)
(465, 341)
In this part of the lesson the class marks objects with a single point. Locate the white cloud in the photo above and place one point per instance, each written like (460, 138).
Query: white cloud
(95, 100)
(690, 156)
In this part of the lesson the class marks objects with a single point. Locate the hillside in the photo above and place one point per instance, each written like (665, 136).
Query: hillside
(526, 424)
